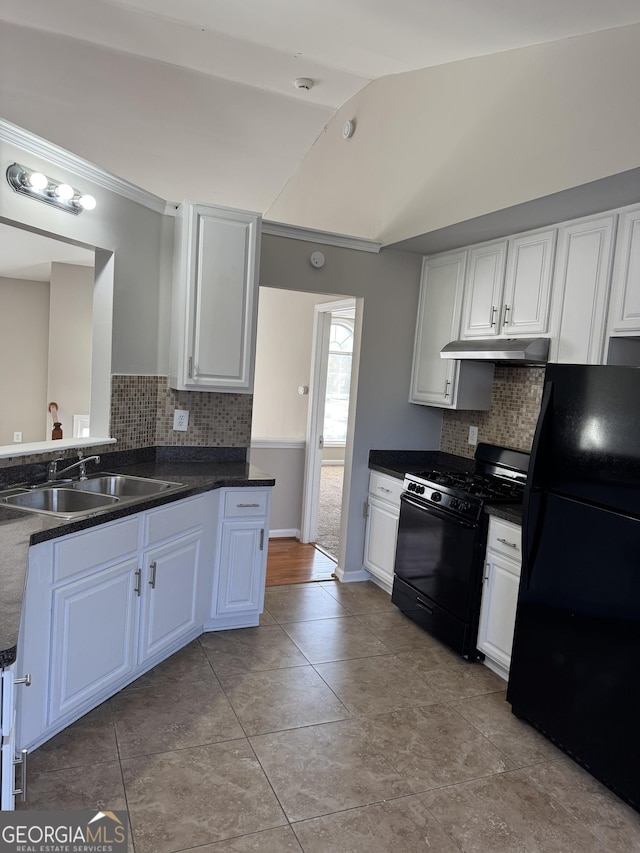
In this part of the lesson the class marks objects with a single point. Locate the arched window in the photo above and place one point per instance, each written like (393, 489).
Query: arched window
(336, 407)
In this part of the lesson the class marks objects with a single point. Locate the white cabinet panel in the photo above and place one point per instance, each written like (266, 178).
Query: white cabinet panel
(170, 600)
(498, 613)
(625, 290)
(500, 594)
(483, 290)
(92, 640)
(435, 381)
(241, 586)
(508, 287)
(527, 289)
(581, 288)
(215, 295)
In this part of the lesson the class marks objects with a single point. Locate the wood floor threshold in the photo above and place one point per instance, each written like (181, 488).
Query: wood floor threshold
(291, 561)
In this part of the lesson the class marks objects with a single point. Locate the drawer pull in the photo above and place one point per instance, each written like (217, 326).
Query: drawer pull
(26, 680)
(383, 489)
(423, 604)
(247, 506)
(506, 542)
(22, 790)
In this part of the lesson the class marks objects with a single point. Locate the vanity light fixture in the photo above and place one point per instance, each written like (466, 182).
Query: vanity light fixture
(36, 185)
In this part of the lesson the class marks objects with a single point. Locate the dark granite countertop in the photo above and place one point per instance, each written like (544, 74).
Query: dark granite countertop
(19, 530)
(397, 463)
(510, 512)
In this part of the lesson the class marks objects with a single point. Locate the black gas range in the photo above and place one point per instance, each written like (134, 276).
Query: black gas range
(442, 540)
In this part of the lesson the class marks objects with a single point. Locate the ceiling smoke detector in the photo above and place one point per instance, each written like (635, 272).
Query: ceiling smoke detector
(303, 83)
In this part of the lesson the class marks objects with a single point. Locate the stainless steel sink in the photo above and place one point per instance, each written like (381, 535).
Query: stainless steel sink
(84, 497)
(121, 486)
(61, 502)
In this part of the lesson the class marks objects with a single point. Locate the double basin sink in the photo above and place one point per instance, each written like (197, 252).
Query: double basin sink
(84, 497)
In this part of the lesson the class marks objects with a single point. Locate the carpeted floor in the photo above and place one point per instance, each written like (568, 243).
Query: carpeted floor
(329, 508)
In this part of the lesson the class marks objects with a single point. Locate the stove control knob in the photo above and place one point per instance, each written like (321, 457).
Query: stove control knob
(420, 489)
(411, 487)
(454, 504)
(436, 497)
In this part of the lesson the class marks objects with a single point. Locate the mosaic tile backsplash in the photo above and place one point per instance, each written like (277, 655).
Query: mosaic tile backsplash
(511, 420)
(142, 415)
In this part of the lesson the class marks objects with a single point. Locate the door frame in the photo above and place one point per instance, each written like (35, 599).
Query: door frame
(323, 313)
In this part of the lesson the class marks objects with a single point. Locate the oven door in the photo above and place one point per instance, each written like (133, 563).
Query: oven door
(438, 572)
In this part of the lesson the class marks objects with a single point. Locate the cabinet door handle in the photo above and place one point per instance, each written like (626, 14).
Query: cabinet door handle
(22, 790)
(507, 308)
(138, 574)
(494, 311)
(26, 680)
(262, 539)
(247, 506)
(486, 577)
(152, 582)
(446, 387)
(506, 542)
(190, 368)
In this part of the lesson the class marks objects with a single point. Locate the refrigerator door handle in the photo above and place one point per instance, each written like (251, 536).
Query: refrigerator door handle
(532, 508)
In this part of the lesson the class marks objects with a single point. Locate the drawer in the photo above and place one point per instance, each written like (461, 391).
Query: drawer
(175, 518)
(505, 538)
(386, 488)
(95, 548)
(245, 502)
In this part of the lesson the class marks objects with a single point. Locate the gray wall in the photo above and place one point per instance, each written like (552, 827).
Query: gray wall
(388, 285)
(286, 464)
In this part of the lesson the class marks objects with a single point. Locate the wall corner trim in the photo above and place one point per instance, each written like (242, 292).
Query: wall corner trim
(326, 238)
(39, 147)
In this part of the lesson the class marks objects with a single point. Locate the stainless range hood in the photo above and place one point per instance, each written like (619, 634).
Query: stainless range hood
(521, 351)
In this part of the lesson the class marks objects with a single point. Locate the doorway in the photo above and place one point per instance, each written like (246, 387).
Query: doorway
(331, 368)
(285, 385)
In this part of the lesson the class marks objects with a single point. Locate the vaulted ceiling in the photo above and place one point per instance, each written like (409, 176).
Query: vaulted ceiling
(119, 81)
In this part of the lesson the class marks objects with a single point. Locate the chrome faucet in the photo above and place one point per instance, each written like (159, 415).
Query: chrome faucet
(52, 469)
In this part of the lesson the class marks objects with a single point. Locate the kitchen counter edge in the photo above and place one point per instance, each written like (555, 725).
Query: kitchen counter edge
(20, 530)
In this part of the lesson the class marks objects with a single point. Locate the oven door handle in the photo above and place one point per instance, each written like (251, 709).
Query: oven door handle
(433, 510)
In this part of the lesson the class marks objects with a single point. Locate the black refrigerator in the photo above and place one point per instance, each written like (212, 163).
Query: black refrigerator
(575, 668)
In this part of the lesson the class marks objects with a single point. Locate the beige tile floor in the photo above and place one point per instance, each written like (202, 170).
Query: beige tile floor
(337, 726)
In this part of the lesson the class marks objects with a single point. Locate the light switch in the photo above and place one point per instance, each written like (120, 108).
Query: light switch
(473, 435)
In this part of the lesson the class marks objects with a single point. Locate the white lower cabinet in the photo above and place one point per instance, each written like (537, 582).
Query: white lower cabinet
(239, 578)
(104, 605)
(381, 533)
(500, 594)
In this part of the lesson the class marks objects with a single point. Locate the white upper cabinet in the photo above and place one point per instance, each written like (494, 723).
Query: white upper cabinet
(580, 291)
(445, 383)
(624, 314)
(508, 287)
(483, 290)
(215, 299)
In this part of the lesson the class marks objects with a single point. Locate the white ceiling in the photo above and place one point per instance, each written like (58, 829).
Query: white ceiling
(266, 44)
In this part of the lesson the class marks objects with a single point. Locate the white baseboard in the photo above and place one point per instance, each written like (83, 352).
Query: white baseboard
(284, 534)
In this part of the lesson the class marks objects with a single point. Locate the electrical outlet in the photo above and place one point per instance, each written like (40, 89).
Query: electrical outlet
(473, 435)
(17, 437)
(180, 420)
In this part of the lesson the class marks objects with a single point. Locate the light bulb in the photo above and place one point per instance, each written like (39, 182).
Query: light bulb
(37, 180)
(87, 202)
(64, 192)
